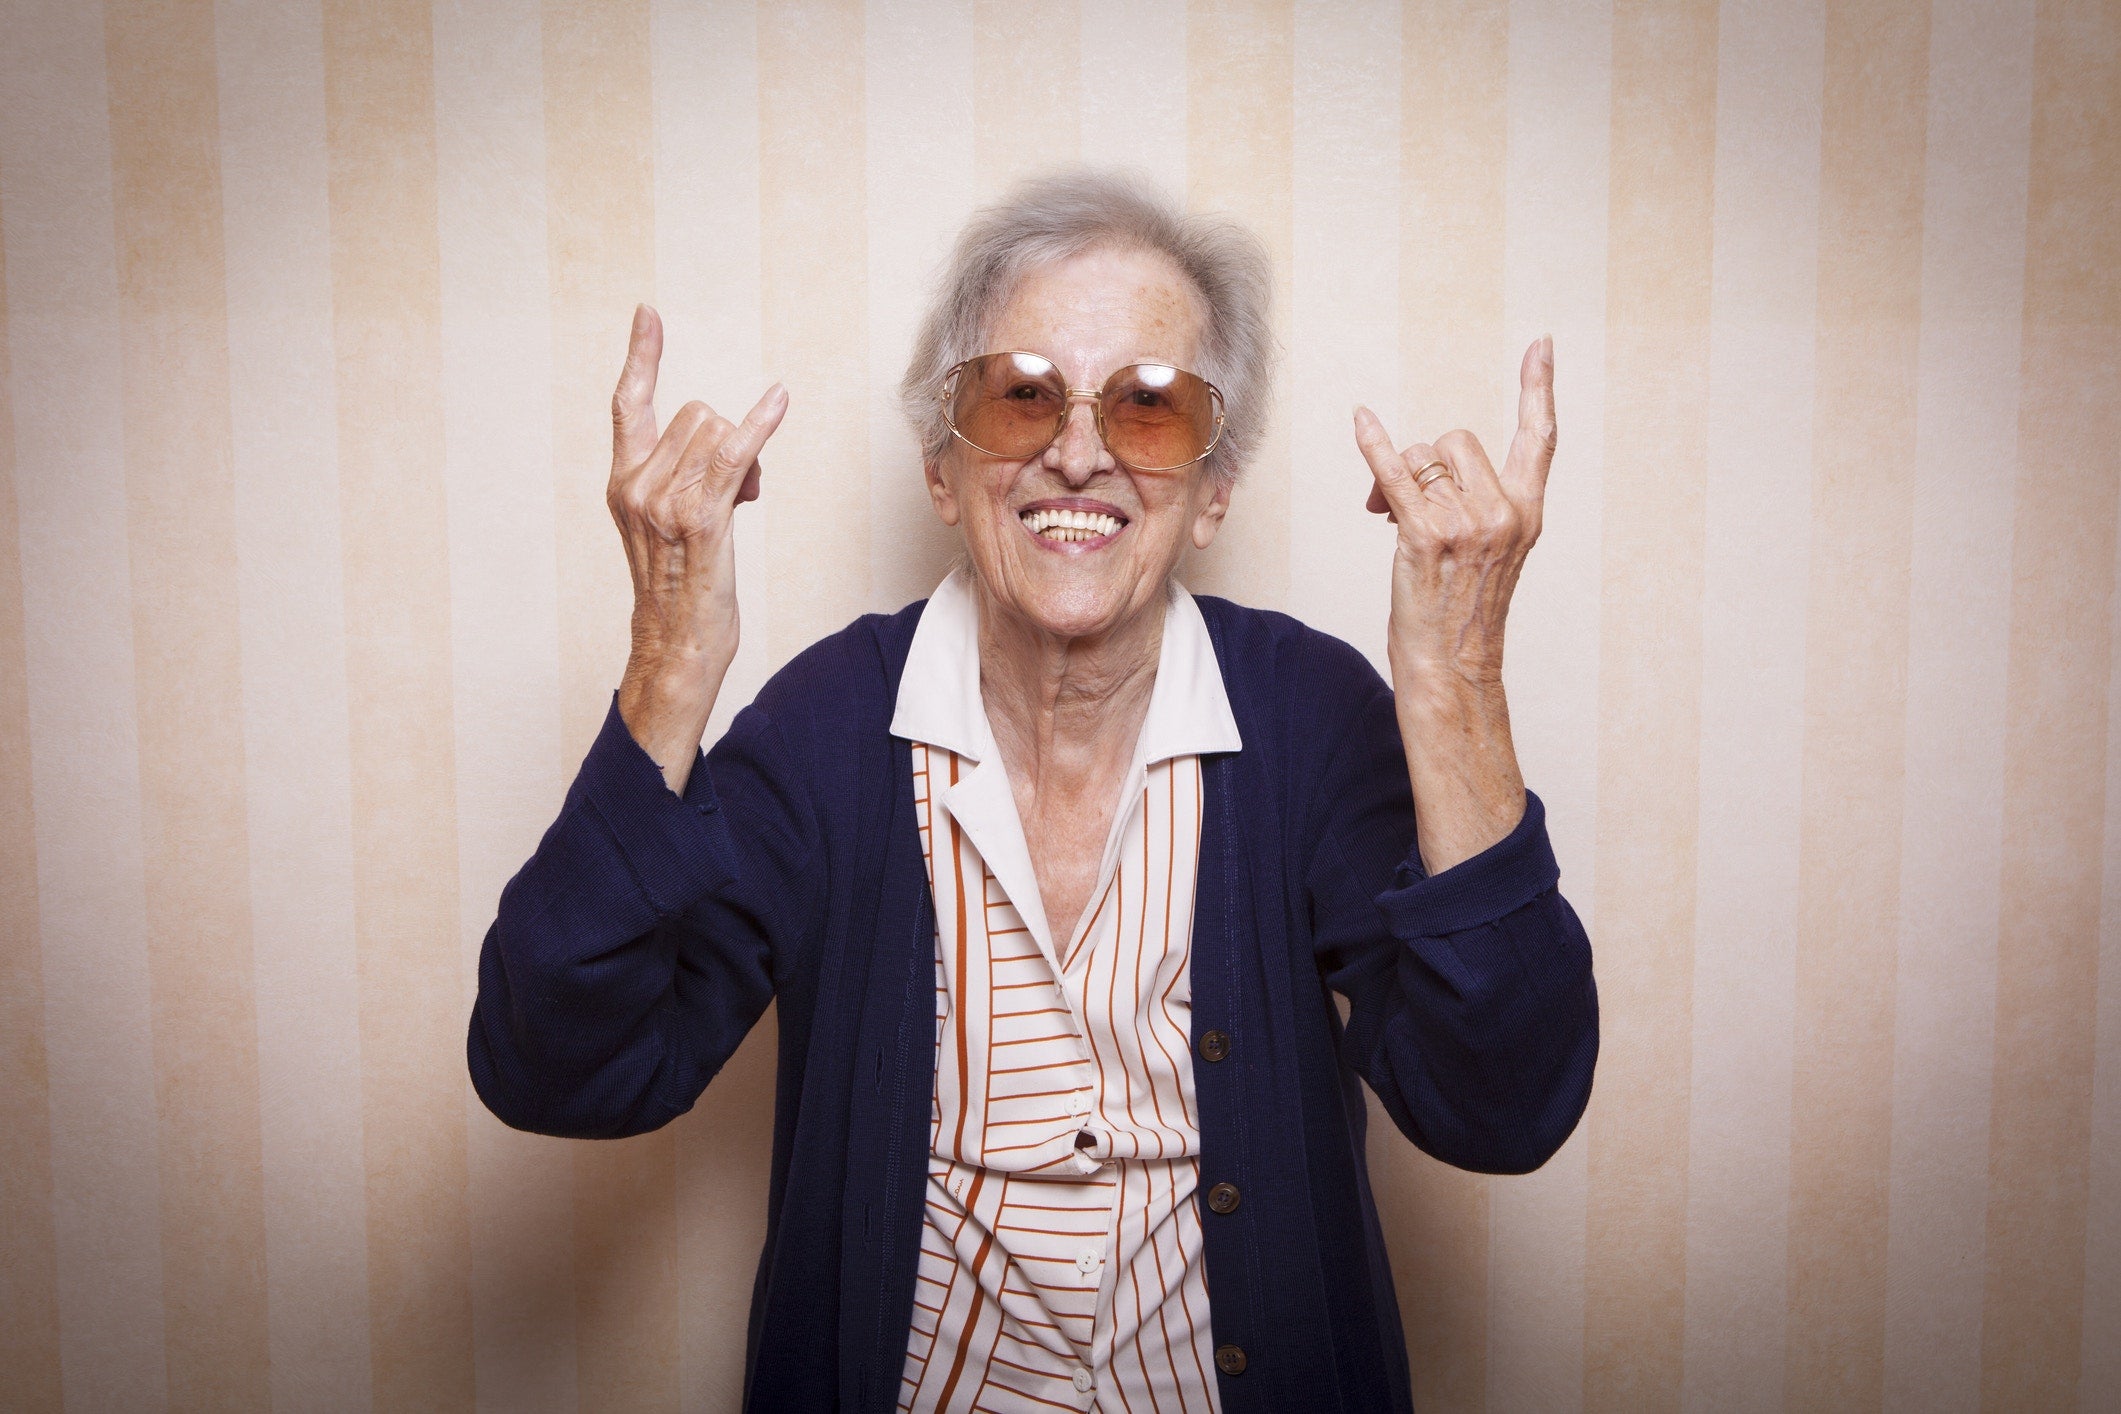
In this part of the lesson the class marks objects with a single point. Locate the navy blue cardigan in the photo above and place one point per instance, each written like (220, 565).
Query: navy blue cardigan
(649, 931)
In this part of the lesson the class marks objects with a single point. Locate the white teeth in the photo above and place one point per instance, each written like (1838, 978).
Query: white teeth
(1069, 526)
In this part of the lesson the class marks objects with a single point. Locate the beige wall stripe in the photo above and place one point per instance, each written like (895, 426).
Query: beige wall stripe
(1239, 128)
(626, 1281)
(188, 674)
(2069, 424)
(1134, 88)
(497, 410)
(600, 155)
(1026, 90)
(707, 242)
(1758, 514)
(1453, 372)
(29, 1277)
(276, 219)
(1347, 338)
(725, 1153)
(1556, 193)
(1344, 324)
(64, 352)
(1657, 303)
(1355, 177)
(707, 288)
(600, 212)
(919, 87)
(379, 104)
(1966, 453)
(1856, 647)
(1458, 369)
(2102, 1240)
(813, 211)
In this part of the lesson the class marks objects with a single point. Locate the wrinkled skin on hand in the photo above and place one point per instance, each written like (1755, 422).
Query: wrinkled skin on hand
(674, 496)
(1463, 538)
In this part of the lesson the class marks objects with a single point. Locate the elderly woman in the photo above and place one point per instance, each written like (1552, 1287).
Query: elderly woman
(1056, 876)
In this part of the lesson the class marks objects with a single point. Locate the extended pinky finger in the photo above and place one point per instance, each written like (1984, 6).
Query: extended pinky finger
(738, 454)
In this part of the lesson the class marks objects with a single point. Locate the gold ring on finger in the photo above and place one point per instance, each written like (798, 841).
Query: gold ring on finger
(1428, 472)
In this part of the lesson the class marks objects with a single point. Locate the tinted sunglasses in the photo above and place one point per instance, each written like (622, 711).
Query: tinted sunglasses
(1153, 417)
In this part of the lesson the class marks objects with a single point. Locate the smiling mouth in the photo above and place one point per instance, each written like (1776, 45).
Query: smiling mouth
(1066, 527)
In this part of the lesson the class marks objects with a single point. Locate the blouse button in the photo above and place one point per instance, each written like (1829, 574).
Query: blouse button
(1083, 1382)
(1230, 1359)
(1223, 1198)
(1214, 1045)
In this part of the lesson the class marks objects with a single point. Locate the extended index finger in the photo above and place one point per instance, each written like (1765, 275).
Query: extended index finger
(1524, 471)
(633, 402)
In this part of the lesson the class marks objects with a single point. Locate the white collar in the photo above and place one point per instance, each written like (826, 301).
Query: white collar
(939, 699)
(939, 703)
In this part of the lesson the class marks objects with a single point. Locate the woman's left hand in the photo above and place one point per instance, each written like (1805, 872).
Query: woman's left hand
(1463, 535)
(1464, 532)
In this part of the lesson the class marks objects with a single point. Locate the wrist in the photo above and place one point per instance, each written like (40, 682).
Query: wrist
(1431, 685)
(665, 704)
(679, 659)
(669, 685)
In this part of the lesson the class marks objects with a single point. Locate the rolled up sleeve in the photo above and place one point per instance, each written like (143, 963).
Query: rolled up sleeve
(623, 965)
(1473, 1013)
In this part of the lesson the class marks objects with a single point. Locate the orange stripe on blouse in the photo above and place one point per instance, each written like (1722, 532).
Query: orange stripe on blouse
(1061, 1258)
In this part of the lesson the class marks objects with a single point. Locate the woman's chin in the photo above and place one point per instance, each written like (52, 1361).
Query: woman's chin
(1070, 605)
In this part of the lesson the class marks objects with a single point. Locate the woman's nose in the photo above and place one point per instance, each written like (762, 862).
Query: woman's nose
(1078, 453)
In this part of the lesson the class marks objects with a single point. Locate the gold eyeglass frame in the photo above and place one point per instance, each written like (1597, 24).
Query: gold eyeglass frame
(1096, 397)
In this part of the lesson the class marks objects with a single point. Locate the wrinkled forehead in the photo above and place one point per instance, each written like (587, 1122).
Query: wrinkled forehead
(1102, 309)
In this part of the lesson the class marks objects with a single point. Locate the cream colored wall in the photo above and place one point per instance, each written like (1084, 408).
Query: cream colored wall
(309, 605)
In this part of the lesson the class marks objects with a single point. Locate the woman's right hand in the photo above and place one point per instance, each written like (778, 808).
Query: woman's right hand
(674, 497)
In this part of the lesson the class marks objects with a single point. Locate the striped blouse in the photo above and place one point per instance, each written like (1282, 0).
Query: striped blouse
(1061, 1263)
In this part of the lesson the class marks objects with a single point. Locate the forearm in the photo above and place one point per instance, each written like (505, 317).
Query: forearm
(1461, 762)
(665, 699)
(1473, 1015)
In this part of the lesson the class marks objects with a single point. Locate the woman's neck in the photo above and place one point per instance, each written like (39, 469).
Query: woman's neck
(1074, 706)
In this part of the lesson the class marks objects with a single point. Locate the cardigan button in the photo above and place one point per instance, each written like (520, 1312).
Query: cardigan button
(1223, 1198)
(1214, 1045)
(1230, 1359)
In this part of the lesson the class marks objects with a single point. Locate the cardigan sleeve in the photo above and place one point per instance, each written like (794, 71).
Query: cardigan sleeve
(636, 948)
(1472, 1009)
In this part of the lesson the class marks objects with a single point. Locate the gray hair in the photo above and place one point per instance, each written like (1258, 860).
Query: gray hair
(1069, 213)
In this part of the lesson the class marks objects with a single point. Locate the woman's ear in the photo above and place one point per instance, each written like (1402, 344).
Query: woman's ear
(940, 493)
(1209, 518)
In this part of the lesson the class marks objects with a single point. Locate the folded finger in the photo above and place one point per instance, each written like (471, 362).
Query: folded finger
(1472, 475)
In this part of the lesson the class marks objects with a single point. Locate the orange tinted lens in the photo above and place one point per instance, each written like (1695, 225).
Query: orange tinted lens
(1159, 418)
(1008, 404)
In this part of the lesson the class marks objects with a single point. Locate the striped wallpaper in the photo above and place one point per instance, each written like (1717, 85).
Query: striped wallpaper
(309, 604)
